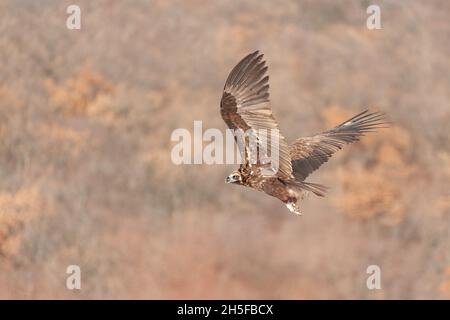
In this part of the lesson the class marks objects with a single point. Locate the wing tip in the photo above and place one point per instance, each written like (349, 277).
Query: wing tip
(253, 55)
(256, 55)
(368, 120)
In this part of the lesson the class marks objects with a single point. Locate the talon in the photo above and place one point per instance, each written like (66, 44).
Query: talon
(292, 206)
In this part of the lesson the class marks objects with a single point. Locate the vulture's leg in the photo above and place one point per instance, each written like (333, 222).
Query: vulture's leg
(293, 207)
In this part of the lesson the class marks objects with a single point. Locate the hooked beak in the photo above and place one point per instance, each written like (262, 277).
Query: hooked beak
(230, 179)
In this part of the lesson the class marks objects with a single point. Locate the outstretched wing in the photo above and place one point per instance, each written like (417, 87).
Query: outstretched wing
(245, 105)
(309, 153)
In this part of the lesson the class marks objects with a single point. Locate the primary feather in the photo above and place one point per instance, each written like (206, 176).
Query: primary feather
(309, 153)
(245, 105)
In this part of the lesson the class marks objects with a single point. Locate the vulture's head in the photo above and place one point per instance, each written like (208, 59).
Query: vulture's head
(235, 177)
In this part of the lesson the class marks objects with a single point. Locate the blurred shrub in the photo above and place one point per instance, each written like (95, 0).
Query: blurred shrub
(81, 95)
(375, 180)
(444, 288)
(17, 210)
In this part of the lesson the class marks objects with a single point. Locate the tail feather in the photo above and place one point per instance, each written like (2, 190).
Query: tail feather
(317, 189)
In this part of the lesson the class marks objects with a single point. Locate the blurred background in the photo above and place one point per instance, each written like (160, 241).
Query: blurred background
(85, 170)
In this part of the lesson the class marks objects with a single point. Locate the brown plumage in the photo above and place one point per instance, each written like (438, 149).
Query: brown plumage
(245, 105)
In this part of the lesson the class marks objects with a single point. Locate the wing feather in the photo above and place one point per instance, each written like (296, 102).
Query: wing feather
(309, 153)
(245, 105)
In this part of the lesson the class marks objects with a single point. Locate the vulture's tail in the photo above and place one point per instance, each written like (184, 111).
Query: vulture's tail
(317, 189)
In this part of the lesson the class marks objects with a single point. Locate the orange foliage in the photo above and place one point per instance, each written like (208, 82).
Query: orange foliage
(373, 186)
(10, 107)
(16, 210)
(81, 94)
(60, 139)
(444, 288)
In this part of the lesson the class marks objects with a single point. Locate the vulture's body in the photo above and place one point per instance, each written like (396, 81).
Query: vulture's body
(245, 106)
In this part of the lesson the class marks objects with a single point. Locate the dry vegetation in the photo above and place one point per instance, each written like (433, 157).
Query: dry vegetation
(85, 170)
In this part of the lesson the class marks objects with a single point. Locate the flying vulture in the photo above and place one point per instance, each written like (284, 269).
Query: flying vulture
(245, 106)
